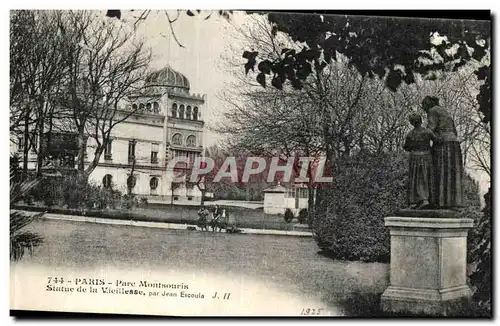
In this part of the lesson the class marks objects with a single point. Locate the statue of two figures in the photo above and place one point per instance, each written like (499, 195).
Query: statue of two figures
(435, 172)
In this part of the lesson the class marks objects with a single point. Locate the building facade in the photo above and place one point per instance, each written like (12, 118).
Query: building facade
(169, 124)
(278, 198)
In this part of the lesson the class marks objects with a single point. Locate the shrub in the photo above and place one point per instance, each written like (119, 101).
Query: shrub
(21, 240)
(473, 237)
(470, 193)
(74, 194)
(49, 192)
(15, 168)
(101, 198)
(288, 215)
(303, 216)
(365, 189)
(144, 201)
(129, 201)
(28, 199)
(480, 254)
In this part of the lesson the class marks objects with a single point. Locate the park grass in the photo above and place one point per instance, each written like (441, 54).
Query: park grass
(244, 217)
(291, 263)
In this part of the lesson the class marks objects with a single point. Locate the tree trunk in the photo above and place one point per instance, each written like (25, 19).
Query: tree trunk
(203, 197)
(132, 170)
(81, 149)
(25, 148)
(203, 191)
(320, 200)
(310, 200)
(84, 174)
(39, 158)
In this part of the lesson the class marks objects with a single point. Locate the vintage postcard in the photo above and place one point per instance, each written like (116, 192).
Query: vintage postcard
(250, 163)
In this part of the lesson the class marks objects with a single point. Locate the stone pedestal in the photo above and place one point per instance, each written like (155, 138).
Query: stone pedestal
(428, 264)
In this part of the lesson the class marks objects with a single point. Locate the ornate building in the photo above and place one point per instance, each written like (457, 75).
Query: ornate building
(170, 125)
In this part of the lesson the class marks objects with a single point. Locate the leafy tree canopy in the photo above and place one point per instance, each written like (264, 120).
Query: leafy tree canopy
(393, 48)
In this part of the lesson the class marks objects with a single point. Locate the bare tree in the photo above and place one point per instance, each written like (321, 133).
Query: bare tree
(336, 114)
(37, 71)
(106, 67)
(457, 93)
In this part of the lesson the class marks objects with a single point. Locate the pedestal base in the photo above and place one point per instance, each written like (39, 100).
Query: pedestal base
(422, 301)
(428, 264)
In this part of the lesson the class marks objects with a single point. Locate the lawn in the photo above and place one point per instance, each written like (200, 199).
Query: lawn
(288, 262)
(245, 217)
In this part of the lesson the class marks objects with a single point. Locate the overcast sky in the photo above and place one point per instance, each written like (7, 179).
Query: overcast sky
(200, 59)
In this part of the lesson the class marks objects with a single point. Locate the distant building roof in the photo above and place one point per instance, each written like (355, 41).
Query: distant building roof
(276, 188)
(167, 77)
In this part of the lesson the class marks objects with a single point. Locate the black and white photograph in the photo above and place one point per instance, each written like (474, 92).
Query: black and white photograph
(250, 163)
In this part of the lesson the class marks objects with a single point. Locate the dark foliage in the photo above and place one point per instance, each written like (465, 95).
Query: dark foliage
(288, 215)
(471, 199)
(144, 201)
(375, 46)
(114, 14)
(352, 228)
(484, 95)
(303, 216)
(19, 189)
(70, 192)
(480, 254)
(15, 168)
(129, 201)
(21, 240)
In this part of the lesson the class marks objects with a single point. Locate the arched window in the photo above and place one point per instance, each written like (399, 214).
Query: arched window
(107, 181)
(156, 107)
(188, 112)
(174, 110)
(141, 106)
(181, 111)
(148, 106)
(191, 141)
(131, 181)
(195, 113)
(153, 183)
(134, 106)
(177, 139)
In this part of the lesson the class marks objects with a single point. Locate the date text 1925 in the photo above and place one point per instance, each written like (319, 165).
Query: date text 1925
(311, 312)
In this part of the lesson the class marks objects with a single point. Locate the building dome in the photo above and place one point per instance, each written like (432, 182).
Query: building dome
(167, 77)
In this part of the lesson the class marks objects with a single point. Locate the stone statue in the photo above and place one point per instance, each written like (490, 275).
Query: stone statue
(447, 161)
(418, 143)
